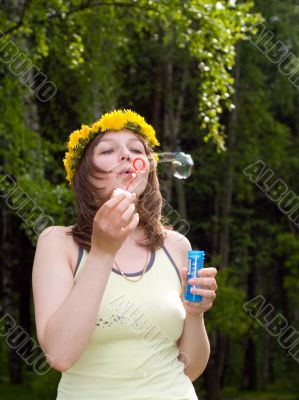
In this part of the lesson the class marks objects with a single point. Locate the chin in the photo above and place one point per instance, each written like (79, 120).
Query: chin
(138, 188)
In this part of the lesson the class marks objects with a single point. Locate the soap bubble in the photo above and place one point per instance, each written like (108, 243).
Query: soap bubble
(182, 164)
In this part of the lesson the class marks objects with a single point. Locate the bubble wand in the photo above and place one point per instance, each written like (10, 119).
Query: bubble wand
(182, 165)
(138, 165)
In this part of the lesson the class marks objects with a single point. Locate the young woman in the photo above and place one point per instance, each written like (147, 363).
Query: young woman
(108, 291)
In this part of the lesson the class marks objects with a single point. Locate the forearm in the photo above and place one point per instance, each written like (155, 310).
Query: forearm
(194, 346)
(68, 331)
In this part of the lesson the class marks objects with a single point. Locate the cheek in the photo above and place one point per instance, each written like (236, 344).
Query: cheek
(144, 173)
(143, 180)
(140, 163)
(105, 163)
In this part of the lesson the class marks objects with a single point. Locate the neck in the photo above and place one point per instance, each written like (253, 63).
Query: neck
(130, 242)
(137, 234)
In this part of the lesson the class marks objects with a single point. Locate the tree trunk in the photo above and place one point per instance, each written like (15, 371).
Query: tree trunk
(249, 369)
(215, 229)
(16, 286)
(8, 289)
(157, 102)
(25, 273)
(268, 358)
(176, 128)
(249, 375)
(181, 199)
(214, 374)
(167, 134)
(172, 120)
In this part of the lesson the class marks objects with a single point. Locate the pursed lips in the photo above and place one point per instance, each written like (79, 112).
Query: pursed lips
(126, 172)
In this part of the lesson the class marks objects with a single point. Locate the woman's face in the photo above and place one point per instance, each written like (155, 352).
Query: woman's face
(115, 153)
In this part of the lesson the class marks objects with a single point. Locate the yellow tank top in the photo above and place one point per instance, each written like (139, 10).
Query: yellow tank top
(132, 354)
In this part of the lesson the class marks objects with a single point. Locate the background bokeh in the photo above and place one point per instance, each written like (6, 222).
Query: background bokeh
(218, 80)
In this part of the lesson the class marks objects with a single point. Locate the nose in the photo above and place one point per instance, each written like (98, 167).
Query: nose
(125, 155)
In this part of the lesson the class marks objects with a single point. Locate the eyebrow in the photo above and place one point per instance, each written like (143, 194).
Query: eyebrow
(110, 139)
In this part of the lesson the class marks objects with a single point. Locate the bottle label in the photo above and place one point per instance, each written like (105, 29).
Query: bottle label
(196, 262)
(192, 268)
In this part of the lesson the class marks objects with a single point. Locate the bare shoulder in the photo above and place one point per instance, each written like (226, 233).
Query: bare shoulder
(52, 278)
(55, 230)
(178, 246)
(59, 236)
(175, 239)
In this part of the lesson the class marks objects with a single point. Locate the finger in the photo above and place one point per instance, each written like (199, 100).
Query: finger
(210, 283)
(117, 211)
(110, 204)
(207, 271)
(204, 292)
(132, 225)
(126, 216)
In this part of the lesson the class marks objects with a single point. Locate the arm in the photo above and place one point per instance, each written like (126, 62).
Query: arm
(65, 312)
(194, 344)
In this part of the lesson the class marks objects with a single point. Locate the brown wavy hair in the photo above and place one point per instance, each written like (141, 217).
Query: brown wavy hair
(88, 199)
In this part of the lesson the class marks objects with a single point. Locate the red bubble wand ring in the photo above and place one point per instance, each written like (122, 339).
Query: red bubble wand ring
(138, 165)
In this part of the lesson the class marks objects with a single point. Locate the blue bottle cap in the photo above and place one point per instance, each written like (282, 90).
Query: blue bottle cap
(196, 253)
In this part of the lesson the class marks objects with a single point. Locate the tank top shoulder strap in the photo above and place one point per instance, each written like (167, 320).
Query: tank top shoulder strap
(79, 259)
(172, 262)
(82, 255)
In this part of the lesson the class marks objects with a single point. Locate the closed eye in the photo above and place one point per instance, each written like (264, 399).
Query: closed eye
(111, 150)
(106, 151)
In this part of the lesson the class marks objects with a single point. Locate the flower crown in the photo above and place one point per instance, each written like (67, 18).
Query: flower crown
(113, 121)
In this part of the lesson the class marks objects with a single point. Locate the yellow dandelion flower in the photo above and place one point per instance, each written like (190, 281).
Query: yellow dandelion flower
(70, 176)
(73, 139)
(149, 133)
(96, 126)
(67, 160)
(132, 117)
(85, 131)
(114, 121)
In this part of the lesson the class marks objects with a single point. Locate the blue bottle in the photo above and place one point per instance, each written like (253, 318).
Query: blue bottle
(196, 262)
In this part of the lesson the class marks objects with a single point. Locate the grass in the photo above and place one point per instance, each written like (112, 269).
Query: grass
(33, 387)
(20, 392)
(235, 394)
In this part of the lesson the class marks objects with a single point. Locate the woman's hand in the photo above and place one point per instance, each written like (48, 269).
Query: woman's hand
(113, 223)
(207, 282)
